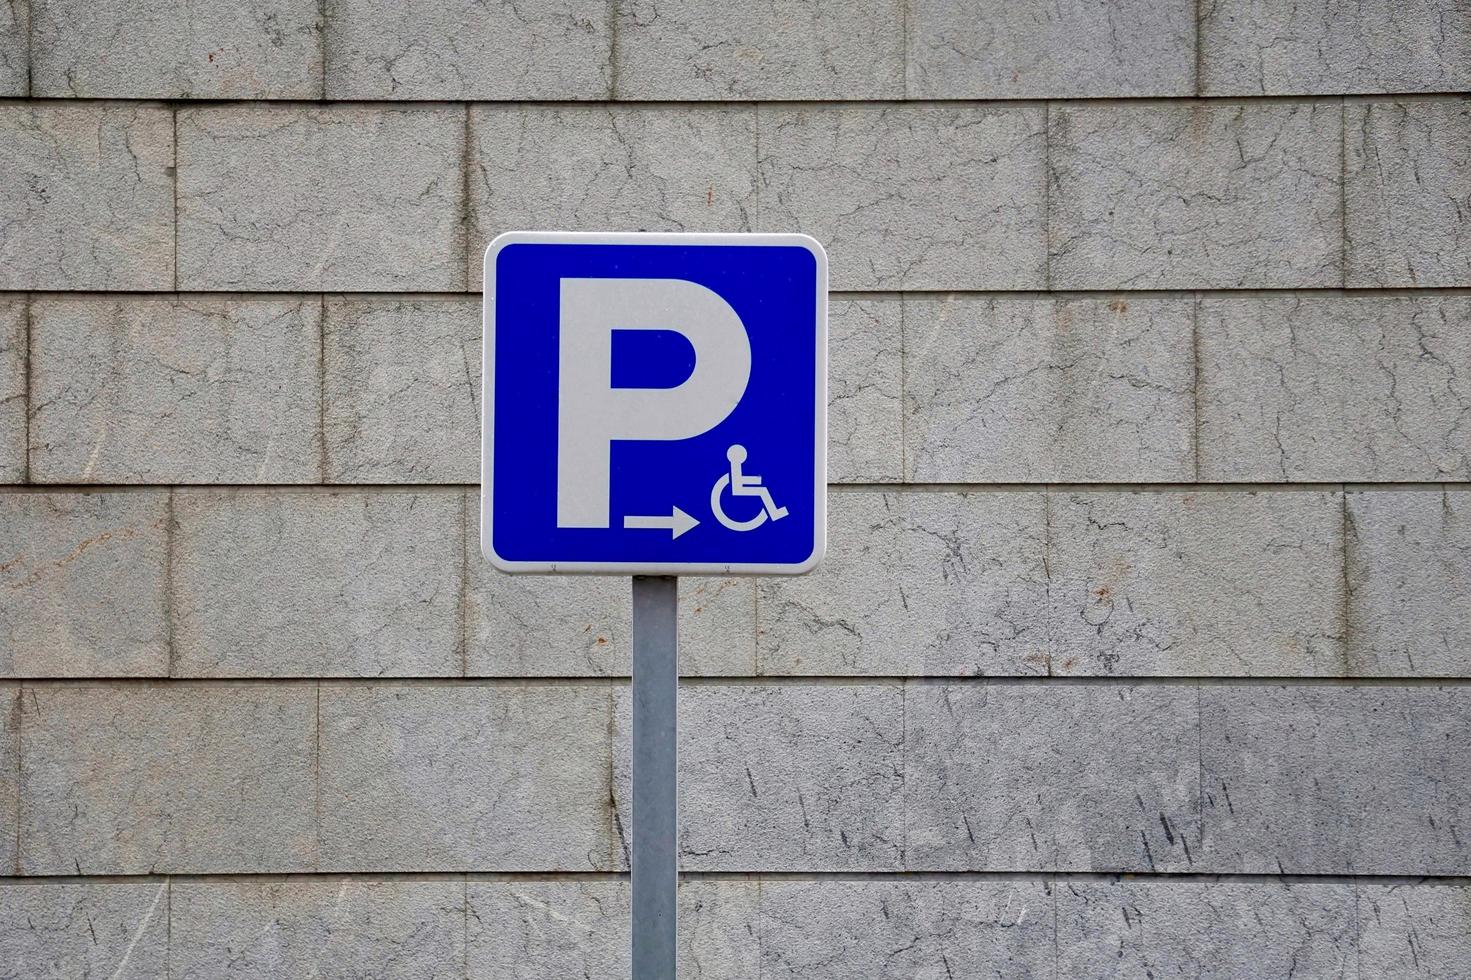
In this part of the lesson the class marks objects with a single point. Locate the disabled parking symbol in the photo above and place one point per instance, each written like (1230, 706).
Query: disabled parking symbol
(742, 485)
(655, 404)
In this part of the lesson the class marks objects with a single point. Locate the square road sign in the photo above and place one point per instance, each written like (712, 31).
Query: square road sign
(655, 404)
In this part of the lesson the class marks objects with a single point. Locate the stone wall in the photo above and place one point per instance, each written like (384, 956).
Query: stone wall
(1143, 647)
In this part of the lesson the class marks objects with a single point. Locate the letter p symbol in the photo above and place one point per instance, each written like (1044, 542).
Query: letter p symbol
(592, 414)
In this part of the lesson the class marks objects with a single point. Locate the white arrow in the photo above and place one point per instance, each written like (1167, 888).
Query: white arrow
(678, 522)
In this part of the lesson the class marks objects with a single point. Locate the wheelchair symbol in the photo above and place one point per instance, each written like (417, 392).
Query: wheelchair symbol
(743, 486)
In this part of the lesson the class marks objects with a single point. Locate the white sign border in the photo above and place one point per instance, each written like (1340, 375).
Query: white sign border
(487, 417)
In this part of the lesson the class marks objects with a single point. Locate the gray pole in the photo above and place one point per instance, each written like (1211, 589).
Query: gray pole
(655, 775)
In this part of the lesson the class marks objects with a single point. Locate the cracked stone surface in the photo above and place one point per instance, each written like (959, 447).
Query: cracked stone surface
(545, 625)
(469, 49)
(1195, 196)
(780, 49)
(1335, 780)
(465, 778)
(1030, 49)
(1409, 580)
(581, 625)
(905, 929)
(13, 389)
(1036, 389)
(552, 930)
(9, 785)
(1329, 47)
(317, 927)
(307, 197)
(717, 938)
(14, 48)
(1213, 930)
(864, 428)
(108, 931)
(1197, 583)
(1414, 930)
(910, 196)
(402, 396)
(1027, 777)
(175, 390)
(1408, 191)
(197, 779)
(1335, 387)
(176, 49)
(609, 168)
(88, 199)
(781, 777)
(302, 583)
(83, 581)
(915, 583)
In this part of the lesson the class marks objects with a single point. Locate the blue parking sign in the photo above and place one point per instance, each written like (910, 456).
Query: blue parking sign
(655, 404)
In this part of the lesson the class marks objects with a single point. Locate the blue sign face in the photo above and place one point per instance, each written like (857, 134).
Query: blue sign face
(654, 403)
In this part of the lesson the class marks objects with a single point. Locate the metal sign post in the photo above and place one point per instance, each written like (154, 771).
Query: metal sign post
(655, 776)
(655, 405)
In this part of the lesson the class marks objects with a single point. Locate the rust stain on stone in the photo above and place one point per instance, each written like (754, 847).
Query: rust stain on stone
(77, 552)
